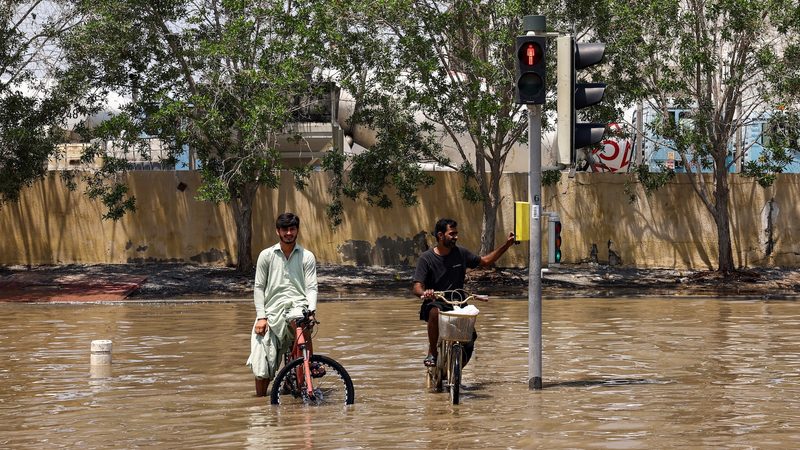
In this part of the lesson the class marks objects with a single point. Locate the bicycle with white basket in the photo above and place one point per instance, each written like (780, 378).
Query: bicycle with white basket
(456, 329)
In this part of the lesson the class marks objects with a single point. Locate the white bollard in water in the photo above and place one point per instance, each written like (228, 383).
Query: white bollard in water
(101, 352)
(100, 359)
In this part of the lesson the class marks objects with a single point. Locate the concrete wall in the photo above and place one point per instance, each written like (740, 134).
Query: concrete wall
(670, 228)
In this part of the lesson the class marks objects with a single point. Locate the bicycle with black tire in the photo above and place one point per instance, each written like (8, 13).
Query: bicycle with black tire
(455, 331)
(308, 378)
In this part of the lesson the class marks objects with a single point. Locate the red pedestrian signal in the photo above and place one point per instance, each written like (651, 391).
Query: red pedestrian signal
(530, 65)
(530, 53)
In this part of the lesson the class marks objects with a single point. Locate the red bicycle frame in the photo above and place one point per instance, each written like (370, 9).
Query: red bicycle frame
(302, 347)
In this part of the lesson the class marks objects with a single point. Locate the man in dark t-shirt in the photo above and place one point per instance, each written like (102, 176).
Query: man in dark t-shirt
(443, 268)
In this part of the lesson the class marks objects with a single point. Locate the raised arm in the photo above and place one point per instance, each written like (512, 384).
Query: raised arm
(494, 255)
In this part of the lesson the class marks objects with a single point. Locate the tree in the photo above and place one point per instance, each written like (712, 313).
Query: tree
(724, 62)
(445, 71)
(223, 78)
(433, 70)
(34, 101)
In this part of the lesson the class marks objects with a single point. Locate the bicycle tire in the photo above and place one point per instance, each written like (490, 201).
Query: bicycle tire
(335, 386)
(455, 373)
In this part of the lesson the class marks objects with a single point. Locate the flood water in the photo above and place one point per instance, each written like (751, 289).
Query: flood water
(618, 374)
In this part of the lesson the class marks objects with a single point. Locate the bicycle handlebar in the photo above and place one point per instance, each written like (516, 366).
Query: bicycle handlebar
(458, 296)
(305, 322)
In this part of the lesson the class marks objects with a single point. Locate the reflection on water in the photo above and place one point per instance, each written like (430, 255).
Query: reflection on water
(643, 373)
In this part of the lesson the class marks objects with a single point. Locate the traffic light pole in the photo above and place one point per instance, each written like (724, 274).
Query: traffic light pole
(535, 25)
(535, 266)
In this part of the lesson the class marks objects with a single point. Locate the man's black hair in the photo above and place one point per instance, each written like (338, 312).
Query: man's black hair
(441, 226)
(287, 220)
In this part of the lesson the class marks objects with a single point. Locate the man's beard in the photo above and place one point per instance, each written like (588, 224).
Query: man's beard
(288, 240)
(450, 243)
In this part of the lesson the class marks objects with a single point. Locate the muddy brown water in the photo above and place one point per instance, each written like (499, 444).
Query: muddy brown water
(618, 374)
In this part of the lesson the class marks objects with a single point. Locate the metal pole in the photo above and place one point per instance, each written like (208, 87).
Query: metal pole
(535, 25)
(535, 266)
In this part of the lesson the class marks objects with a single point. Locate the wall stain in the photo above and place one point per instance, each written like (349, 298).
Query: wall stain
(769, 217)
(386, 251)
(154, 260)
(213, 255)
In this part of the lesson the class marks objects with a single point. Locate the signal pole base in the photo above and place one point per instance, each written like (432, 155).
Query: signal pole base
(535, 383)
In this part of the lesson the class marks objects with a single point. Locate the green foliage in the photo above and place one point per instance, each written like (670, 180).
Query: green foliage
(34, 100)
(782, 144)
(551, 177)
(421, 73)
(114, 197)
(334, 163)
(301, 176)
(653, 181)
(389, 167)
(650, 181)
(469, 191)
(448, 67)
(222, 78)
(213, 188)
(721, 43)
(721, 61)
(26, 142)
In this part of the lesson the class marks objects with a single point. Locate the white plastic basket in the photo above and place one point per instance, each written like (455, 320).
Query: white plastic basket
(456, 327)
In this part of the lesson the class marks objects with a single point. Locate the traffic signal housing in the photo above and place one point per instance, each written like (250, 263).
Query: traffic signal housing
(530, 64)
(557, 242)
(573, 96)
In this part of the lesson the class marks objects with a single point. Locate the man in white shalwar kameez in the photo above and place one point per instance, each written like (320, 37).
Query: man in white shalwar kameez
(285, 284)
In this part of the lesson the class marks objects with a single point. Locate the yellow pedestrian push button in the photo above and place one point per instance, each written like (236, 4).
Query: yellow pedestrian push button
(522, 221)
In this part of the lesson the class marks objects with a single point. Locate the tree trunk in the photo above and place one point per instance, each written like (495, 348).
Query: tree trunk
(490, 206)
(722, 218)
(243, 216)
(488, 226)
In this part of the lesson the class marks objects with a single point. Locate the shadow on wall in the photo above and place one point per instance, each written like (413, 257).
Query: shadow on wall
(385, 252)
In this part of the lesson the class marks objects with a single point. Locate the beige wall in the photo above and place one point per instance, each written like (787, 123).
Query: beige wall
(670, 228)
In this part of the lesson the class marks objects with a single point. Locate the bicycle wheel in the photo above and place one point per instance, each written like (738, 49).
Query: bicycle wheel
(455, 373)
(331, 384)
